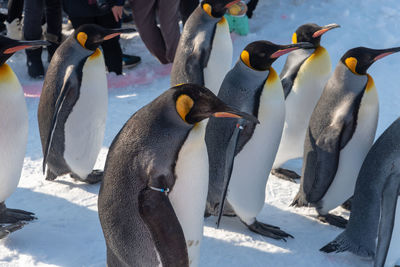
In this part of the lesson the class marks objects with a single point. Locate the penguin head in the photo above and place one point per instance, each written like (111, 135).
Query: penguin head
(359, 59)
(195, 103)
(311, 33)
(9, 46)
(217, 8)
(260, 55)
(90, 36)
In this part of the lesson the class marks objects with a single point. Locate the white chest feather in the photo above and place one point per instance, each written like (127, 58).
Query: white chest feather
(300, 103)
(353, 154)
(84, 128)
(189, 194)
(393, 255)
(220, 59)
(14, 131)
(246, 192)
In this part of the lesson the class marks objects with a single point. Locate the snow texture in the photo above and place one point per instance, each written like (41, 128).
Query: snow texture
(68, 232)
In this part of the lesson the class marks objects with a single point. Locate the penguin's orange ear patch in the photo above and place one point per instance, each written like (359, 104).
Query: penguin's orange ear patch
(207, 8)
(184, 104)
(82, 38)
(245, 57)
(351, 63)
(294, 38)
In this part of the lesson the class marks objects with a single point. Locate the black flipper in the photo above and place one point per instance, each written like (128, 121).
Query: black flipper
(386, 224)
(70, 83)
(229, 160)
(158, 214)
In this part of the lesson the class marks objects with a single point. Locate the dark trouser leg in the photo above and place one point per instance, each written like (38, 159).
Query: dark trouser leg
(145, 19)
(33, 31)
(54, 21)
(186, 8)
(15, 8)
(111, 48)
(167, 12)
(250, 8)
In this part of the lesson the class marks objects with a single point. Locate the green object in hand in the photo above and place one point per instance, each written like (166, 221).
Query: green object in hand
(238, 24)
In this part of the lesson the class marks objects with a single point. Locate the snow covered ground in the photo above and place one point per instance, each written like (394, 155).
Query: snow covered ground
(68, 232)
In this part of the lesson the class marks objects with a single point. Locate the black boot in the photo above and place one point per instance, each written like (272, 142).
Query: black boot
(34, 62)
(51, 49)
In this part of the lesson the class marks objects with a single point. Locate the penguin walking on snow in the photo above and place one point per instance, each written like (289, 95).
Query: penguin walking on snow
(73, 105)
(254, 87)
(14, 134)
(204, 52)
(153, 195)
(303, 77)
(340, 134)
(374, 227)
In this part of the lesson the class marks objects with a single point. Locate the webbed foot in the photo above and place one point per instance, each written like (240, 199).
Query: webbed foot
(285, 174)
(94, 177)
(6, 230)
(14, 215)
(268, 230)
(334, 220)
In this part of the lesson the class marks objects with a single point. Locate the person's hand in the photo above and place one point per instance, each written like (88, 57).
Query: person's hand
(117, 12)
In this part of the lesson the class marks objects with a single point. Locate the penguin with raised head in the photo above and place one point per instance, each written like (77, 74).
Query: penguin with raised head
(73, 105)
(153, 195)
(204, 52)
(14, 133)
(254, 87)
(340, 133)
(303, 77)
(374, 226)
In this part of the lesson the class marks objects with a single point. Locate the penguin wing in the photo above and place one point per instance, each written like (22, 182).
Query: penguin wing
(327, 149)
(157, 212)
(195, 64)
(387, 217)
(71, 84)
(289, 75)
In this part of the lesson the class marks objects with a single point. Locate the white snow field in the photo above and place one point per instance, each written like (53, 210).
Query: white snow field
(68, 232)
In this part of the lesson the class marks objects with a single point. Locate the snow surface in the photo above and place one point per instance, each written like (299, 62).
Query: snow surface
(68, 232)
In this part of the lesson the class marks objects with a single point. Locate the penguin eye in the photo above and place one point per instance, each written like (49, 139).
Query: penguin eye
(184, 104)
(82, 38)
(351, 63)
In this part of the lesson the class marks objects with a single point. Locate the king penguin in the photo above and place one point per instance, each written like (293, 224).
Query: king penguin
(153, 195)
(340, 133)
(373, 230)
(73, 105)
(204, 52)
(14, 133)
(254, 87)
(303, 77)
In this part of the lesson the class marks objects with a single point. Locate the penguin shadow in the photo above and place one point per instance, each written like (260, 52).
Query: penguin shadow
(72, 183)
(65, 234)
(241, 247)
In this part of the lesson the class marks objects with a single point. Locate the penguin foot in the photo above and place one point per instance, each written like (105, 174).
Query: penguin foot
(14, 215)
(347, 205)
(331, 247)
(285, 174)
(334, 220)
(50, 176)
(268, 230)
(94, 177)
(6, 230)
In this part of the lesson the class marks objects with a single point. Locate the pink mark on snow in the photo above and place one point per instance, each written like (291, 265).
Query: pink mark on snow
(283, 16)
(137, 76)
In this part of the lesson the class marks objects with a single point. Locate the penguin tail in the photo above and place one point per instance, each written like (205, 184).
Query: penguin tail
(343, 243)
